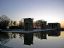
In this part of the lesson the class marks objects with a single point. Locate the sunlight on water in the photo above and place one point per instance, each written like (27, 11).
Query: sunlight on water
(62, 34)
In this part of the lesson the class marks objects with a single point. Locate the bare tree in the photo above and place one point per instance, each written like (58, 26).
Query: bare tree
(4, 21)
(40, 23)
(21, 25)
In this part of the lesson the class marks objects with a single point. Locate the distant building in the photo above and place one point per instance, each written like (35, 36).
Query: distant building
(54, 26)
(28, 24)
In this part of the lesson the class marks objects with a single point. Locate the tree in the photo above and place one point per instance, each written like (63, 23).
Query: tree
(40, 23)
(14, 22)
(21, 25)
(4, 21)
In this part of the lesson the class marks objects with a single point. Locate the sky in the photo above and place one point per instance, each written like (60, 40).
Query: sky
(48, 10)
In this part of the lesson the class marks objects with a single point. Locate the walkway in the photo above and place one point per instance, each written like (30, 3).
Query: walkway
(23, 31)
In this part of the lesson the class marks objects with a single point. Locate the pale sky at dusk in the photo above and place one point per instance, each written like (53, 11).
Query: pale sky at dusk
(49, 10)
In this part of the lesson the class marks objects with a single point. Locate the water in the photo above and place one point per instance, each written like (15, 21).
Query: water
(50, 39)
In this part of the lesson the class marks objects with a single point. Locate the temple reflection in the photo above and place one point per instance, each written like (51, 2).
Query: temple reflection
(28, 38)
(54, 33)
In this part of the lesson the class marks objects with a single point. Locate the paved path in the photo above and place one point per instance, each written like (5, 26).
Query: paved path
(2, 46)
(23, 31)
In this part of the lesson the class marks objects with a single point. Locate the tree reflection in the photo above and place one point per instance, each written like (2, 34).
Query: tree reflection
(4, 38)
(41, 35)
(28, 37)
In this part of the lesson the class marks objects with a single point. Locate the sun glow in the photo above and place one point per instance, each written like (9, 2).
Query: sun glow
(62, 23)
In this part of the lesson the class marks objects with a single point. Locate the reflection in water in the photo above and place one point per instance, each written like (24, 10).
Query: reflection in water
(41, 35)
(4, 38)
(61, 34)
(54, 33)
(27, 37)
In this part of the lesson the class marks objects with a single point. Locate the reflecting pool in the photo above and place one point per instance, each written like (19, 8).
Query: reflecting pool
(51, 39)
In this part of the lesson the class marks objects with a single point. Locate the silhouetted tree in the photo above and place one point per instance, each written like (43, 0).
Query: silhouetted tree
(11, 23)
(21, 25)
(14, 22)
(38, 23)
(4, 21)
